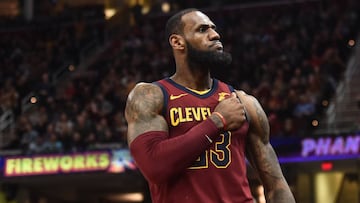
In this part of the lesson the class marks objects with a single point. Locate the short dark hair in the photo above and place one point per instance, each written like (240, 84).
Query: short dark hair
(174, 25)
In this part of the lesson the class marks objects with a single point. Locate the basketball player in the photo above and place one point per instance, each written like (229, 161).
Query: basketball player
(190, 134)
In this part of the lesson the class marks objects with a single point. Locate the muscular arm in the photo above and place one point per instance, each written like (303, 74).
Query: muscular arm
(159, 157)
(262, 156)
(143, 109)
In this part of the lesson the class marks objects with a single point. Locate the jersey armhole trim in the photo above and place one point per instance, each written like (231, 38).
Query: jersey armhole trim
(166, 96)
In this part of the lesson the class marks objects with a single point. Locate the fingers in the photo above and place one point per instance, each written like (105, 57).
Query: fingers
(239, 101)
(243, 111)
(244, 114)
(235, 102)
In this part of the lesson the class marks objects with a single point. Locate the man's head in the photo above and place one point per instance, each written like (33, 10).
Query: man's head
(193, 35)
(175, 25)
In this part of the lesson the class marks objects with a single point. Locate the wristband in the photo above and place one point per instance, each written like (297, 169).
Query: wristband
(222, 118)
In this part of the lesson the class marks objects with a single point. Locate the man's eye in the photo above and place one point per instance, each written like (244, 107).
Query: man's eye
(202, 29)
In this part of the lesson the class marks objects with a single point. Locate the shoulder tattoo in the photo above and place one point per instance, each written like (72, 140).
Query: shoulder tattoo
(143, 102)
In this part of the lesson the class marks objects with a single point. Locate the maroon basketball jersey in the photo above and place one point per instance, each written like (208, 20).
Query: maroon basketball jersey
(219, 174)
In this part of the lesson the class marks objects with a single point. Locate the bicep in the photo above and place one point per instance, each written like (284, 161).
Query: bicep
(143, 109)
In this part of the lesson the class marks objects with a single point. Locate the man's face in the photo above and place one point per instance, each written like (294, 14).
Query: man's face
(203, 44)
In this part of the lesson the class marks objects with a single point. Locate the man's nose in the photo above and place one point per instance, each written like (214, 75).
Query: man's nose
(213, 35)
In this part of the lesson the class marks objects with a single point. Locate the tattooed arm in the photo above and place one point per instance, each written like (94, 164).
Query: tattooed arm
(143, 109)
(158, 156)
(262, 156)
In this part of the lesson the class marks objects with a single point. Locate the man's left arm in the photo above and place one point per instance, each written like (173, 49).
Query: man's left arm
(261, 154)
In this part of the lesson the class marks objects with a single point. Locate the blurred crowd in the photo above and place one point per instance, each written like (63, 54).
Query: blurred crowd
(290, 57)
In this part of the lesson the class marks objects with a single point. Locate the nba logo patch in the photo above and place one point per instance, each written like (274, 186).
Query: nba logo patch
(222, 95)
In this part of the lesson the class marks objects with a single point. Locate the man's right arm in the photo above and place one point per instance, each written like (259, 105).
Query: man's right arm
(158, 156)
(143, 111)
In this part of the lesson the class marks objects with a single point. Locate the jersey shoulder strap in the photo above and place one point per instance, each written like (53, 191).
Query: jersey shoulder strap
(160, 83)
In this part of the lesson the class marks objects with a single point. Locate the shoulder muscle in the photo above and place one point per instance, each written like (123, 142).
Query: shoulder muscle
(259, 122)
(143, 109)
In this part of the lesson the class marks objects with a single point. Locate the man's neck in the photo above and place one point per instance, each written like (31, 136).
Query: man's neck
(199, 81)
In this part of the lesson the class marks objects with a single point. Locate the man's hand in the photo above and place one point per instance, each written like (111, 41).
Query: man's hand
(233, 112)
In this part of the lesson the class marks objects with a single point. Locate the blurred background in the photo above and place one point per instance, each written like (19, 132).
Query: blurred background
(66, 68)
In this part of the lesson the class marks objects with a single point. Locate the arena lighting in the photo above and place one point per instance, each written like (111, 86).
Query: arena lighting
(351, 42)
(326, 166)
(71, 68)
(145, 9)
(325, 103)
(127, 197)
(33, 100)
(109, 12)
(165, 7)
(315, 123)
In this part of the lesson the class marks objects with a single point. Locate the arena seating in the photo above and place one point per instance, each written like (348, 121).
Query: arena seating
(291, 57)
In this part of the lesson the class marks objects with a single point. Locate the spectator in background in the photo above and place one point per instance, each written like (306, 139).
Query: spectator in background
(304, 107)
(37, 146)
(54, 145)
(278, 48)
(64, 125)
(9, 97)
(136, 11)
(30, 136)
(90, 141)
(45, 89)
(77, 144)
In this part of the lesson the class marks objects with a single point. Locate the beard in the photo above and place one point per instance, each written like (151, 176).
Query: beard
(207, 60)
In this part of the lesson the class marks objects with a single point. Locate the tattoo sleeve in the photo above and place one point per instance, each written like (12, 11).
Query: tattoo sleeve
(142, 110)
(262, 156)
(150, 143)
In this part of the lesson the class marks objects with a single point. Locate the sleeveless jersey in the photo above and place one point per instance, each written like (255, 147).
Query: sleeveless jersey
(219, 174)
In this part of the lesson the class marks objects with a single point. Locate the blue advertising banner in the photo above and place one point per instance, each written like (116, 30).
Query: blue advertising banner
(324, 148)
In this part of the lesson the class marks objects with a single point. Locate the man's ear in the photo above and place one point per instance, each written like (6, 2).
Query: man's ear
(177, 42)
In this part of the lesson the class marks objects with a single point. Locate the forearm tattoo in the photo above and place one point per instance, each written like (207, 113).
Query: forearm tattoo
(265, 160)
